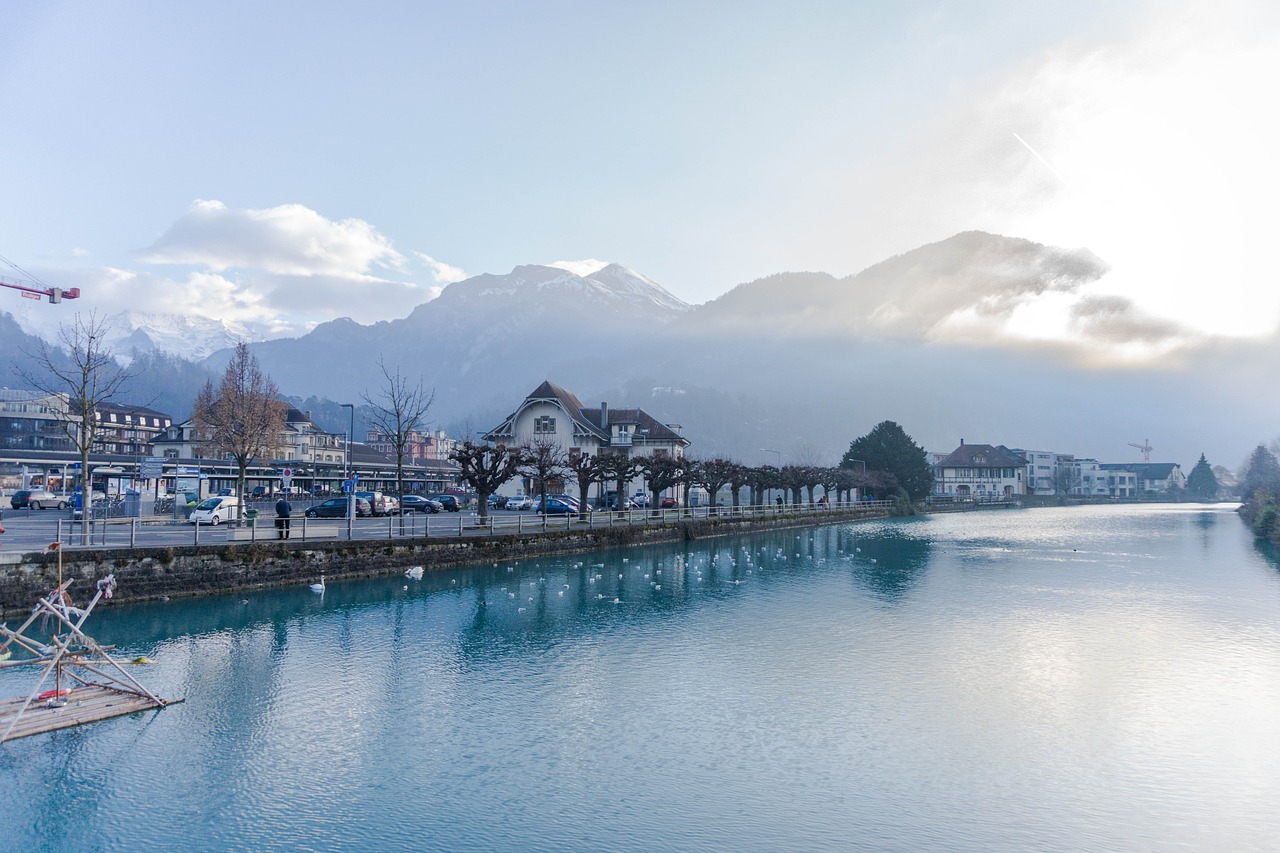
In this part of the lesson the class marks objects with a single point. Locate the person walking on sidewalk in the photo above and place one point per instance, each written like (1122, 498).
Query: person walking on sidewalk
(283, 510)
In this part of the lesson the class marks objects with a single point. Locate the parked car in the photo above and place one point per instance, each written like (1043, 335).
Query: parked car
(555, 506)
(670, 502)
(571, 501)
(410, 504)
(640, 498)
(498, 501)
(519, 503)
(258, 493)
(215, 510)
(450, 502)
(337, 508)
(36, 499)
(382, 504)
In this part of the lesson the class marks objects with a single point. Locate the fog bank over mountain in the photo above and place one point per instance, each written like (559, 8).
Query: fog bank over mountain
(950, 339)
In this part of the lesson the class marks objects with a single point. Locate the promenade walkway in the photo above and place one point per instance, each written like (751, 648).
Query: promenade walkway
(34, 531)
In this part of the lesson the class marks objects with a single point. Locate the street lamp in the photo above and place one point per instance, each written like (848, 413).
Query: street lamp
(778, 454)
(351, 501)
(863, 464)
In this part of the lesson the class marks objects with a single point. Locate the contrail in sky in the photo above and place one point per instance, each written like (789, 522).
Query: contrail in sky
(1047, 165)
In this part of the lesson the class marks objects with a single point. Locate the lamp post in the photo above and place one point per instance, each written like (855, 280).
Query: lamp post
(351, 501)
(778, 455)
(863, 464)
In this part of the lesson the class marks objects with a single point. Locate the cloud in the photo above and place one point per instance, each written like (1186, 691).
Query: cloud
(583, 268)
(440, 271)
(290, 239)
(1114, 319)
(1154, 147)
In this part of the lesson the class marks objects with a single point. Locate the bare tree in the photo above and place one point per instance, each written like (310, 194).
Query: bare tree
(543, 461)
(586, 468)
(397, 412)
(243, 418)
(713, 475)
(739, 476)
(89, 377)
(620, 469)
(486, 467)
(661, 472)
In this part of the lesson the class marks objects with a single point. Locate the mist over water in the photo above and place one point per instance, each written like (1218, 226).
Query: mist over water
(1083, 679)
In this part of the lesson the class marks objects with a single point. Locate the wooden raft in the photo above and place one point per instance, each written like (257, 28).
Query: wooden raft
(86, 703)
(71, 657)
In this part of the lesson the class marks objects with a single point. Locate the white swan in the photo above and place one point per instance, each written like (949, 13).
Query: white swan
(415, 573)
(318, 587)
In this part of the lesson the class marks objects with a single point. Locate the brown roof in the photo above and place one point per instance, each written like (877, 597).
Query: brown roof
(981, 456)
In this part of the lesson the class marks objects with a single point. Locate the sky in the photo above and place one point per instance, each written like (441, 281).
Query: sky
(283, 164)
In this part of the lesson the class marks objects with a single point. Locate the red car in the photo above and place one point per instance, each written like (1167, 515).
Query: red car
(670, 503)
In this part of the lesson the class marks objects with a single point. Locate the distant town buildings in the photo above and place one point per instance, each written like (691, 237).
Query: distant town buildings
(977, 471)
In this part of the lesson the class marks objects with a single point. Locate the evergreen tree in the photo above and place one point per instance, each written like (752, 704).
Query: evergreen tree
(1202, 483)
(888, 448)
(1262, 477)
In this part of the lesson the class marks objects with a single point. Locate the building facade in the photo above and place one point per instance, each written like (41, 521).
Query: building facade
(980, 471)
(553, 415)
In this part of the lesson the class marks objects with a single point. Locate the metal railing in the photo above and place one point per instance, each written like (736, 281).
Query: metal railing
(158, 531)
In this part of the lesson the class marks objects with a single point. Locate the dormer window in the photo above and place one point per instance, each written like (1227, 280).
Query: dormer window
(544, 425)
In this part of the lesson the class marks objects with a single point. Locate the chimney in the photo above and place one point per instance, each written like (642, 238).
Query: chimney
(962, 442)
(309, 418)
(604, 416)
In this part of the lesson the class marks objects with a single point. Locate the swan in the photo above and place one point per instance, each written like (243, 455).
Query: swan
(415, 573)
(318, 587)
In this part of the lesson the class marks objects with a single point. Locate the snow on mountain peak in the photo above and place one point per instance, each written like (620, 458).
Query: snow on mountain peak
(190, 336)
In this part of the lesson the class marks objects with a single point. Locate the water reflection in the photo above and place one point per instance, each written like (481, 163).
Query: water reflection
(891, 563)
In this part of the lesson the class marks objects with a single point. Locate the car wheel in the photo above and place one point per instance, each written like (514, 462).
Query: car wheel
(215, 521)
(62, 504)
(36, 505)
(309, 514)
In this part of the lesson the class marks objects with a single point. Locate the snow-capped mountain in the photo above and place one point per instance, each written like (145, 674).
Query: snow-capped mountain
(190, 336)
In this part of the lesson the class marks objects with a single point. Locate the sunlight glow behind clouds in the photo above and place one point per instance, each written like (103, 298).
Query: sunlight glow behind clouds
(1161, 150)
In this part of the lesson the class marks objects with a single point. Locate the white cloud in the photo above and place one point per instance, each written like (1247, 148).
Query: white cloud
(1160, 145)
(279, 271)
(440, 271)
(290, 239)
(584, 267)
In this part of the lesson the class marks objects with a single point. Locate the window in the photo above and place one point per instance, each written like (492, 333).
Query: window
(544, 424)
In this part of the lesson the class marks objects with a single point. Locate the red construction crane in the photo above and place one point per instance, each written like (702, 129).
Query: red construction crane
(1145, 447)
(36, 289)
(32, 290)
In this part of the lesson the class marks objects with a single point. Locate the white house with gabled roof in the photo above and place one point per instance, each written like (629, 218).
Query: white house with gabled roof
(553, 415)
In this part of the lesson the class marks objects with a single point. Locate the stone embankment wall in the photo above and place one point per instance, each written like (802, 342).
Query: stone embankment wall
(150, 573)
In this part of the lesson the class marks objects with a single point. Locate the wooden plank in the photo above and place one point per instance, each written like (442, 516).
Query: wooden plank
(85, 704)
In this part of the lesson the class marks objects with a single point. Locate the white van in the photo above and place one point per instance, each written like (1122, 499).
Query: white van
(215, 510)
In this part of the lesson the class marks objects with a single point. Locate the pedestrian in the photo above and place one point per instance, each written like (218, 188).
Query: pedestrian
(283, 511)
(779, 500)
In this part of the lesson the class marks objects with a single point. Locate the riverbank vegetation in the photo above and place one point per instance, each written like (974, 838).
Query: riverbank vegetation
(1261, 492)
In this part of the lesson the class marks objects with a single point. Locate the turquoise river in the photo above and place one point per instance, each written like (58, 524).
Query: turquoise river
(1070, 679)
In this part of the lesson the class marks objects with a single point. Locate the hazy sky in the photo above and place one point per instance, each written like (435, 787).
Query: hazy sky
(291, 162)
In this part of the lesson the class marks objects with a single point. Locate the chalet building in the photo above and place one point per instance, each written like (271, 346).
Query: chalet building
(552, 414)
(975, 471)
(126, 430)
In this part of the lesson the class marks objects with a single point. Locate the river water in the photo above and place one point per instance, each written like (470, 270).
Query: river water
(1053, 679)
